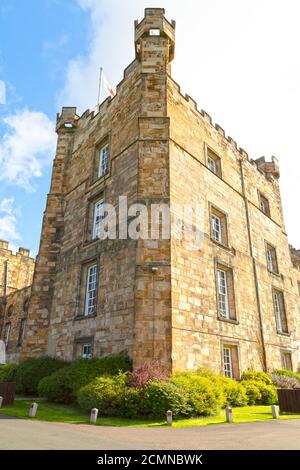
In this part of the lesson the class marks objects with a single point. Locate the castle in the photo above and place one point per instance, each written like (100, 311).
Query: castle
(231, 304)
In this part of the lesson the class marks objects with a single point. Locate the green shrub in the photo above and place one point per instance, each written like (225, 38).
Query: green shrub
(8, 372)
(268, 394)
(260, 393)
(257, 376)
(62, 386)
(205, 396)
(111, 396)
(159, 396)
(252, 391)
(208, 373)
(56, 387)
(234, 392)
(288, 373)
(29, 372)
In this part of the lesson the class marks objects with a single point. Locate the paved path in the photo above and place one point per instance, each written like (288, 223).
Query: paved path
(24, 434)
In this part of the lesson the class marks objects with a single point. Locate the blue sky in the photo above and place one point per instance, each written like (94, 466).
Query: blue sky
(238, 60)
(37, 39)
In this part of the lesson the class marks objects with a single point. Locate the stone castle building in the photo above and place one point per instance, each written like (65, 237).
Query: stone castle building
(230, 305)
(16, 274)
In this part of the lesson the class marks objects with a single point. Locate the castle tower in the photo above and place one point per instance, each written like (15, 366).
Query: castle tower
(37, 326)
(154, 43)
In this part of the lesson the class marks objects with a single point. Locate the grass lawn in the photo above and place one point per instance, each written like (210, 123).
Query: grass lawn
(71, 414)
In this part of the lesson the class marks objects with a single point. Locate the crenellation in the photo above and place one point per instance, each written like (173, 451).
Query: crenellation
(220, 130)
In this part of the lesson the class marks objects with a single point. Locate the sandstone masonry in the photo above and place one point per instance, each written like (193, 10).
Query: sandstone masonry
(232, 304)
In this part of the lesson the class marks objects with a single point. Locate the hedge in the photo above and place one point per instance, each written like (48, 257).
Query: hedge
(29, 373)
(63, 385)
(8, 372)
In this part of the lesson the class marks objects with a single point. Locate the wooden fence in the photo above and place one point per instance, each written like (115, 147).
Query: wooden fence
(289, 400)
(7, 391)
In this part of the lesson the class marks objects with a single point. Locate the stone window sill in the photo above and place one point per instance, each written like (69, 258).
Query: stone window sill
(274, 274)
(221, 245)
(85, 317)
(282, 333)
(228, 320)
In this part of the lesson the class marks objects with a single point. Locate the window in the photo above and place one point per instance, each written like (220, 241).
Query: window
(21, 332)
(98, 217)
(218, 226)
(83, 348)
(227, 362)
(264, 204)
(280, 313)
(225, 293)
(91, 290)
(286, 360)
(213, 162)
(271, 259)
(86, 351)
(231, 367)
(6, 333)
(103, 160)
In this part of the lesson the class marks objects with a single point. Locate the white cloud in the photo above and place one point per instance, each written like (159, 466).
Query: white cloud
(239, 61)
(2, 92)
(8, 220)
(26, 148)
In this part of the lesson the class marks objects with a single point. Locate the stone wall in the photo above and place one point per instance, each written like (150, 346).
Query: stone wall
(197, 332)
(16, 269)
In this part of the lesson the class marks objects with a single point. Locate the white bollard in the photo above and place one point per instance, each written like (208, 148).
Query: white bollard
(33, 410)
(275, 411)
(169, 418)
(229, 414)
(94, 415)
(1, 401)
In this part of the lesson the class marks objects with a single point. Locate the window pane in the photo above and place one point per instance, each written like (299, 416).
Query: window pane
(216, 228)
(223, 294)
(86, 352)
(91, 288)
(227, 361)
(98, 217)
(212, 165)
(103, 160)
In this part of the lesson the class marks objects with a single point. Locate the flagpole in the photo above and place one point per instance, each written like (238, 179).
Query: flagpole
(100, 85)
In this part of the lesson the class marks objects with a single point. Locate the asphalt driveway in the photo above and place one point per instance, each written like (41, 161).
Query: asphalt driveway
(40, 435)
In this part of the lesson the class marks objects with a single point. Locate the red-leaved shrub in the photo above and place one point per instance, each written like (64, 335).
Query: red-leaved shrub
(153, 370)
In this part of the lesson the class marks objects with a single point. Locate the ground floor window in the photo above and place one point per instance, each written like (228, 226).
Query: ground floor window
(83, 348)
(230, 359)
(286, 360)
(86, 351)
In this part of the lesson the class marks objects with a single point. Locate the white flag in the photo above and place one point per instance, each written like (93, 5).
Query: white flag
(107, 86)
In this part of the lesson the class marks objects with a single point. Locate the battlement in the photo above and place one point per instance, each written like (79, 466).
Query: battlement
(25, 252)
(269, 169)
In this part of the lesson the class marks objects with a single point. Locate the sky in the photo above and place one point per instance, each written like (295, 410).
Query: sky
(238, 59)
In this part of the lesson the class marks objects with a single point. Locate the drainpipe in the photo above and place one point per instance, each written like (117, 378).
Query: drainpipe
(254, 267)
